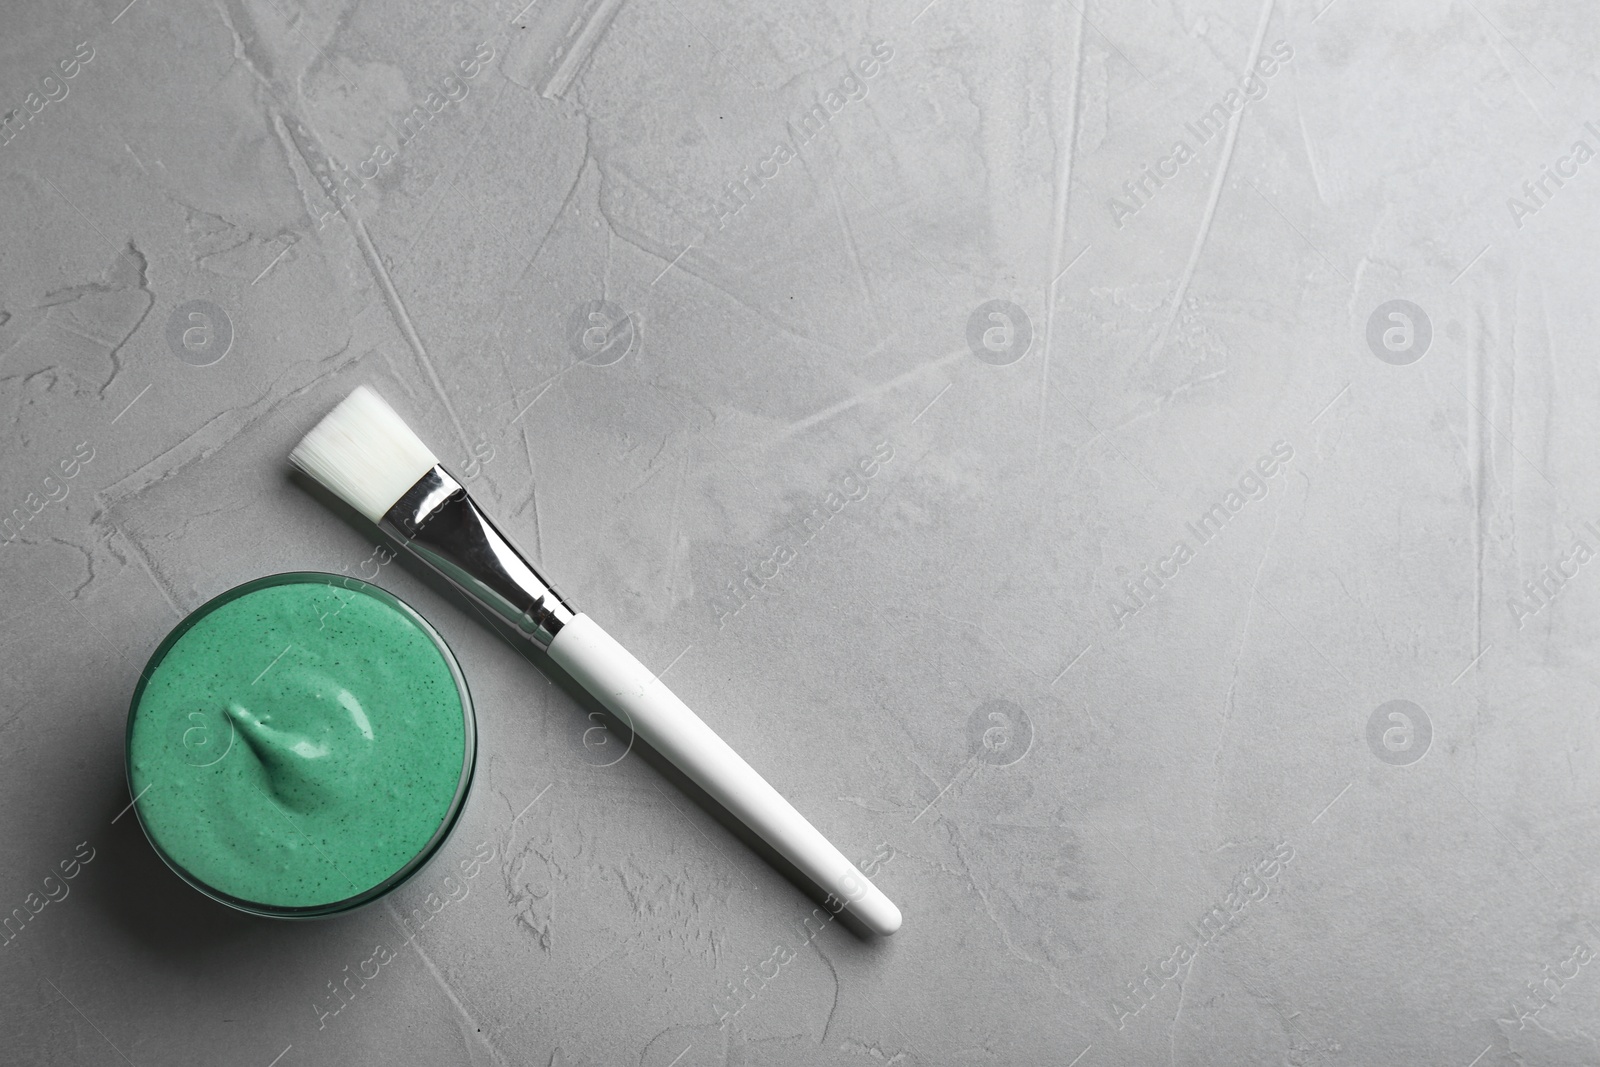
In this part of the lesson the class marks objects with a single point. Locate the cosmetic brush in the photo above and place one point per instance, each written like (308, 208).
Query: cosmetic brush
(365, 454)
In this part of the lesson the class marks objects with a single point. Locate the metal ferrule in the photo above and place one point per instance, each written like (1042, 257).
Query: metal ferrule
(440, 524)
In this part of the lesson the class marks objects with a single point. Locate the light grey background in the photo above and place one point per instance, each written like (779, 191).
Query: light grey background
(1436, 910)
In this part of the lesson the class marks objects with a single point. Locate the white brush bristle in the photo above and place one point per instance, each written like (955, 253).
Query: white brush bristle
(365, 453)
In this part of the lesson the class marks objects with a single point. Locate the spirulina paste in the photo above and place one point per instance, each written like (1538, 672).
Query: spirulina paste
(300, 744)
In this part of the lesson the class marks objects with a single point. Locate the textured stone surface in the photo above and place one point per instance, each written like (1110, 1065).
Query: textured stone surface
(233, 212)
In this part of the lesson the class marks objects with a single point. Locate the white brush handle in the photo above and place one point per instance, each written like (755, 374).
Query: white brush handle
(637, 697)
